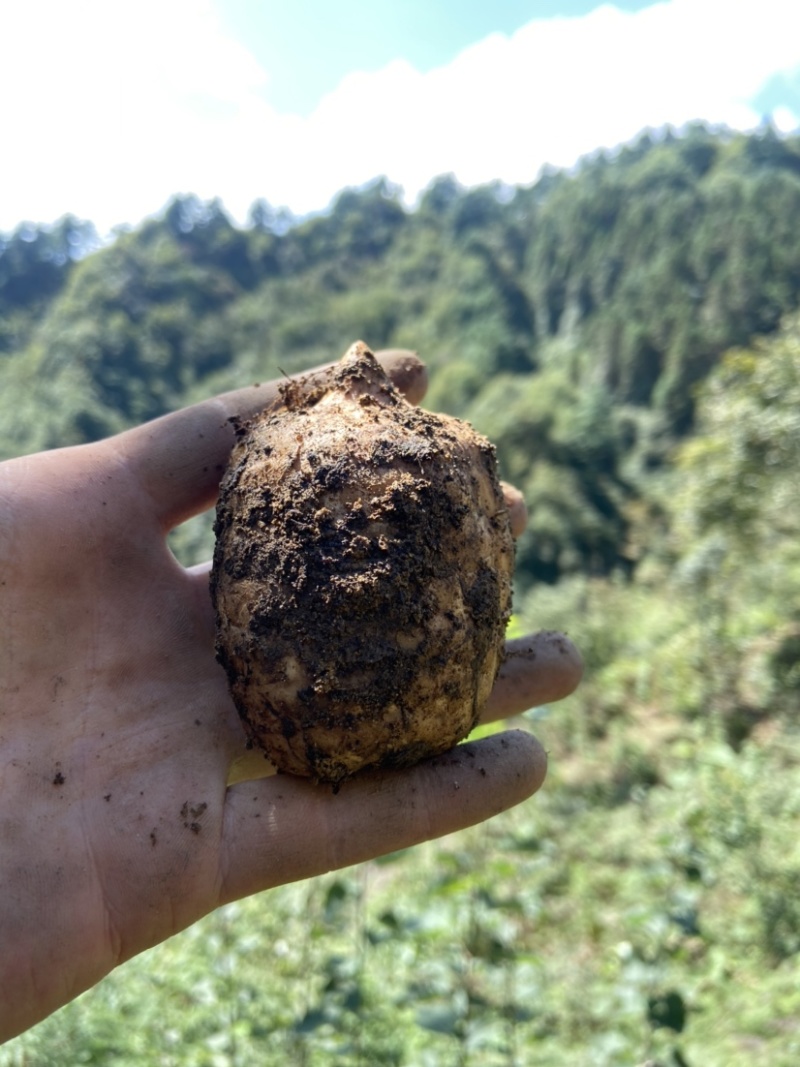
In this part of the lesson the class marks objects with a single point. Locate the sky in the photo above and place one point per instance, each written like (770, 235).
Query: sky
(108, 108)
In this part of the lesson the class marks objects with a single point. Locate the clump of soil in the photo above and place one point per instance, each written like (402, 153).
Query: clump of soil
(362, 575)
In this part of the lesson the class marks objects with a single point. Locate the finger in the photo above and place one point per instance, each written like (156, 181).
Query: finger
(537, 669)
(200, 570)
(180, 458)
(407, 371)
(283, 829)
(517, 509)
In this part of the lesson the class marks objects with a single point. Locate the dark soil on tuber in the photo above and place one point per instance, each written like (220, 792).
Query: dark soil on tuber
(362, 575)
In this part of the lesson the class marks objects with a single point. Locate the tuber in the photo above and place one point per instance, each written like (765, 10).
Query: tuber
(361, 577)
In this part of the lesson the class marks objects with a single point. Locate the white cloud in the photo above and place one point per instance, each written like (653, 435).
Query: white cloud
(108, 109)
(785, 120)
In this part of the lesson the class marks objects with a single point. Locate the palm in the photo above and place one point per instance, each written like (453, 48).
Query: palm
(122, 819)
(116, 715)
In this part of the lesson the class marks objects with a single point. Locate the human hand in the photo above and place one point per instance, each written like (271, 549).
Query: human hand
(129, 807)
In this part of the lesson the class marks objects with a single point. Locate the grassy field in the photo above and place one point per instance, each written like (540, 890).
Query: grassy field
(642, 909)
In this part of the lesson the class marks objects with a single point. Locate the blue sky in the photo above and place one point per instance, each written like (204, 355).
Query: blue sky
(110, 107)
(309, 47)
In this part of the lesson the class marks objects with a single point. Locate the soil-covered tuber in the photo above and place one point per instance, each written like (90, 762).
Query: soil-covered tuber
(362, 575)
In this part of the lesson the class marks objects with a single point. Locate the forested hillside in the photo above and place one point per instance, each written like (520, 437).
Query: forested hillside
(628, 334)
(571, 320)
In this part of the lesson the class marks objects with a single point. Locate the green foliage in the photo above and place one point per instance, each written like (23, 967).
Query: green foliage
(736, 525)
(561, 446)
(35, 263)
(660, 260)
(741, 470)
(564, 931)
